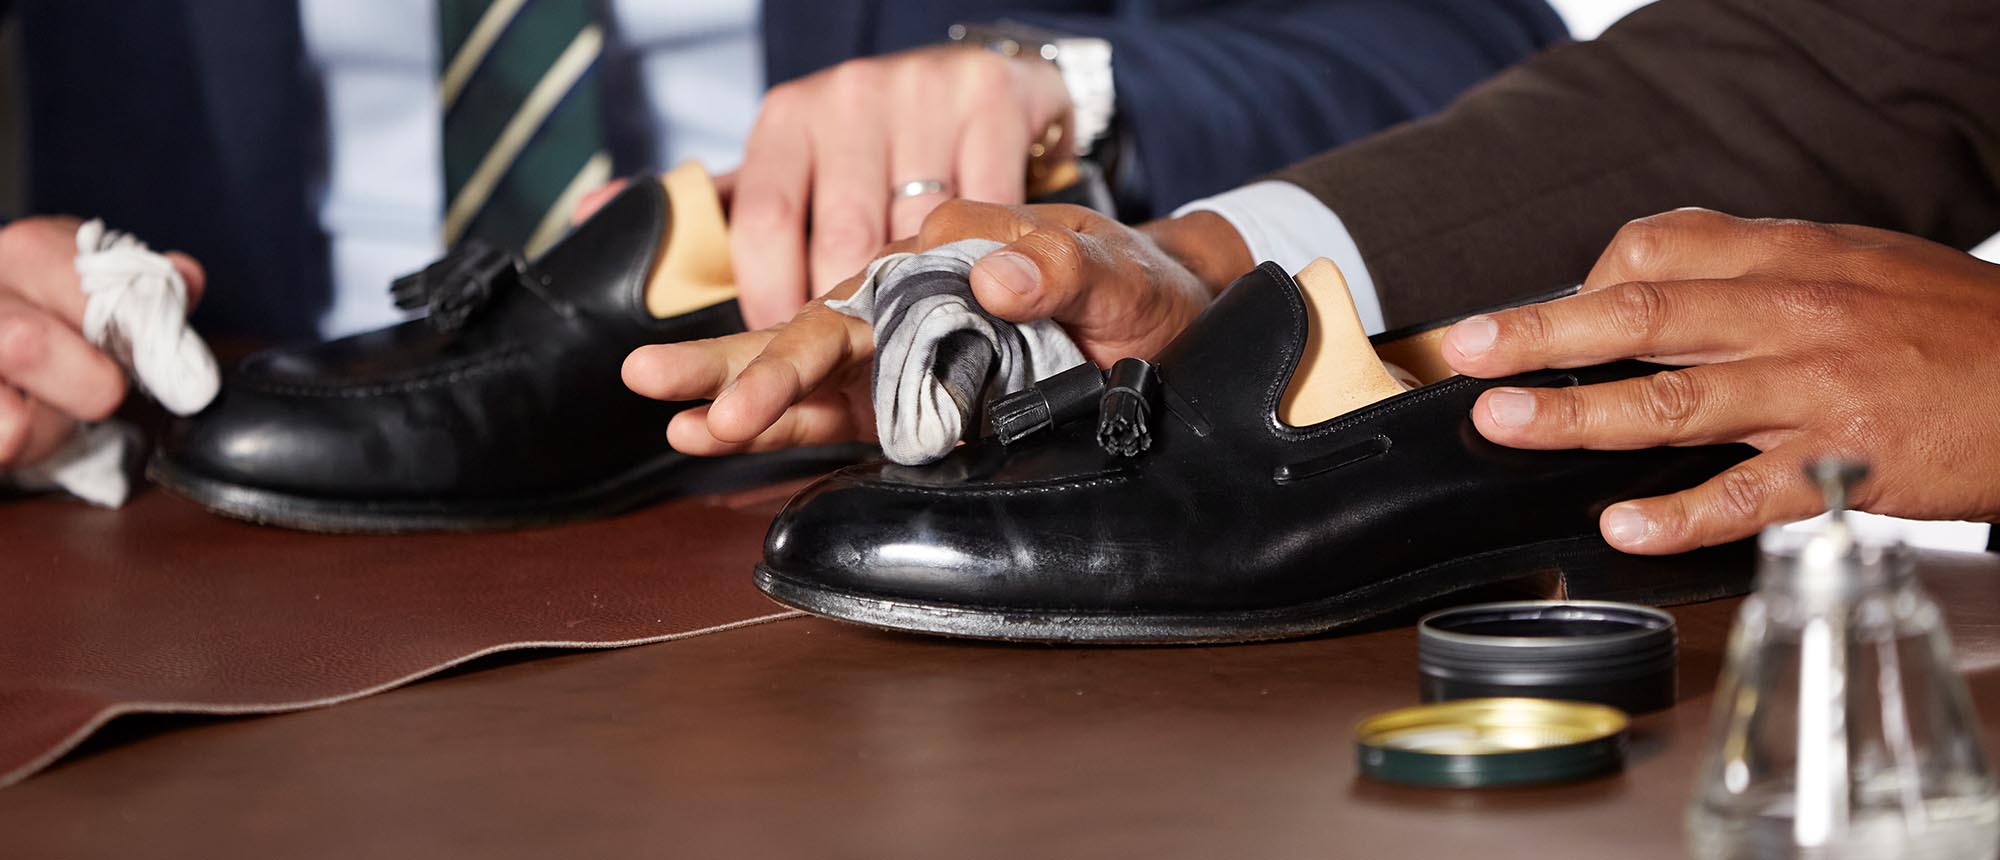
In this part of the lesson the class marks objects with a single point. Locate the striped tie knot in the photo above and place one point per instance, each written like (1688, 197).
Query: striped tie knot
(523, 118)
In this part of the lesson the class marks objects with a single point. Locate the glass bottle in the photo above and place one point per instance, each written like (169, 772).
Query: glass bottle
(1841, 729)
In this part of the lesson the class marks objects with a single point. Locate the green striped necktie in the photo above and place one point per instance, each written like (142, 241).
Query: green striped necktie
(523, 119)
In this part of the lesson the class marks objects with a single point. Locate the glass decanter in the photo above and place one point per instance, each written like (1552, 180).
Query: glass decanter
(1841, 728)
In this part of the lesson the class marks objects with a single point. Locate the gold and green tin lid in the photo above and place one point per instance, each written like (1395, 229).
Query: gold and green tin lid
(1470, 743)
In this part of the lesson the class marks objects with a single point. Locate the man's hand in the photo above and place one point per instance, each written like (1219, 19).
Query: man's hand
(1800, 339)
(815, 196)
(50, 377)
(1118, 291)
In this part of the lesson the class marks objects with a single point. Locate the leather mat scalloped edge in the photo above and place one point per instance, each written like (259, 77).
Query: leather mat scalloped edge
(109, 711)
(164, 608)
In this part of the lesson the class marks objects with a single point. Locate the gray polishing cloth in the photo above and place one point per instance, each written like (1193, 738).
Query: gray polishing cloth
(938, 355)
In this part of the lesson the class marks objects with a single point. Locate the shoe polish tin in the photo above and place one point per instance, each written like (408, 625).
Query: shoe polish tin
(1474, 743)
(1615, 654)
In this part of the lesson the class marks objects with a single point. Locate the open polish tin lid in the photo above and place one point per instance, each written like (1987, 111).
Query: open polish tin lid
(1616, 654)
(1485, 742)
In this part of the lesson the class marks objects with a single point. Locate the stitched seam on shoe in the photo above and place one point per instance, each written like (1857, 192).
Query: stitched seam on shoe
(505, 360)
(1276, 391)
(1026, 490)
(1379, 409)
(1295, 306)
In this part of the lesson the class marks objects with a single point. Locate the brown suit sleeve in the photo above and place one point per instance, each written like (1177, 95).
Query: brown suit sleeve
(1878, 112)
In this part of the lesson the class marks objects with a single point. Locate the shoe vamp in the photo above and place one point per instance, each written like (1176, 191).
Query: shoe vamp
(524, 419)
(1153, 540)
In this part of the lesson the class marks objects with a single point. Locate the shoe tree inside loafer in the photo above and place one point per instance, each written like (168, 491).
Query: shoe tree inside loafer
(1340, 371)
(692, 270)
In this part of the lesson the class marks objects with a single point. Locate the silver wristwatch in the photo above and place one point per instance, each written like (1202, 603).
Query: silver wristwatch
(1083, 61)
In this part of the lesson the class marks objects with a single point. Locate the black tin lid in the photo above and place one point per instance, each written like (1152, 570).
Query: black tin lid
(1615, 654)
(1483, 742)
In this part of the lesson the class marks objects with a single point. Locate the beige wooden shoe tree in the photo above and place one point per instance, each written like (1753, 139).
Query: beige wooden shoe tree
(1340, 371)
(694, 272)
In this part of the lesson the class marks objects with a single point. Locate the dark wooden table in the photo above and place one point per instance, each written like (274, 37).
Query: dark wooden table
(802, 737)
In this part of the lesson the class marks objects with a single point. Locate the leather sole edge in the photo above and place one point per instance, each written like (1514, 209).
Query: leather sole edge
(1589, 570)
(668, 477)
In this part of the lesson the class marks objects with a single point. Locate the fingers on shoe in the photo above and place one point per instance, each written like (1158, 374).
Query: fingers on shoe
(1738, 503)
(1707, 405)
(1682, 322)
(850, 194)
(50, 362)
(694, 370)
(798, 360)
(767, 215)
(29, 431)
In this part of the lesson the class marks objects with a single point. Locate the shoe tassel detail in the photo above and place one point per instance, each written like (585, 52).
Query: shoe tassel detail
(1124, 413)
(458, 285)
(1059, 399)
(1123, 405)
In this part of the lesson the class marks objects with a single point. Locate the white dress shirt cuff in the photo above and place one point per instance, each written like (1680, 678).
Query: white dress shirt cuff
(1282, 223)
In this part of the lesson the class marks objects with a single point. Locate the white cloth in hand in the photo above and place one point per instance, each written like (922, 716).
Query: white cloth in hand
(136, 311)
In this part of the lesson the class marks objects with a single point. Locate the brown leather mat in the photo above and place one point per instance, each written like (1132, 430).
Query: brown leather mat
(163, 608)
(806, 738)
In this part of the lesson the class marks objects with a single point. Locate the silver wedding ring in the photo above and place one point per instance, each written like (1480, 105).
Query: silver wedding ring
(921, 187)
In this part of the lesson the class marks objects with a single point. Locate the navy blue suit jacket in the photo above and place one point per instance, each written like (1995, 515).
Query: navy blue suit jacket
(192, 123)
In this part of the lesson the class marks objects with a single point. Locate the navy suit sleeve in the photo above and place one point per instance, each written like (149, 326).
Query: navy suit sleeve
(1216, 94)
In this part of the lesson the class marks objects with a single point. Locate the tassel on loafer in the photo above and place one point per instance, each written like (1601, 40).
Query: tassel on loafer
(503, 407)
(1191, 511)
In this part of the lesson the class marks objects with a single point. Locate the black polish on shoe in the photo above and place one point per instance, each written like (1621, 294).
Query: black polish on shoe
(1233, 526)
(506, 411)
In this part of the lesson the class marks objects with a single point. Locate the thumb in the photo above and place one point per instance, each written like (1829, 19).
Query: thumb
(1039, 276)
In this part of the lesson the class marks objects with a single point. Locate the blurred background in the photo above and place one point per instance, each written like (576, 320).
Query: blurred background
(10, 131)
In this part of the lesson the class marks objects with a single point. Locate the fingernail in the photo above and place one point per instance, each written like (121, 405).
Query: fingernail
(1626, 525)
(725, 390)
(1013, 271)
(1473, 336)
(1510, 407)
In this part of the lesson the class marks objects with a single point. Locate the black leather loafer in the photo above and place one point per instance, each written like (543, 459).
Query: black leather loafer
(502, 408)
(1230, 525)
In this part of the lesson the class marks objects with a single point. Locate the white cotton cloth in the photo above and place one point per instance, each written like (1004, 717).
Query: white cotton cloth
(95, 465)
(136, 311)
(939, 356)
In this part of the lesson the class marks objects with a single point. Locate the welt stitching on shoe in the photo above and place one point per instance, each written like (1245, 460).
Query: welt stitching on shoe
(1271, 612)
(480, 366)
(1274, 611)
(1025, 490)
